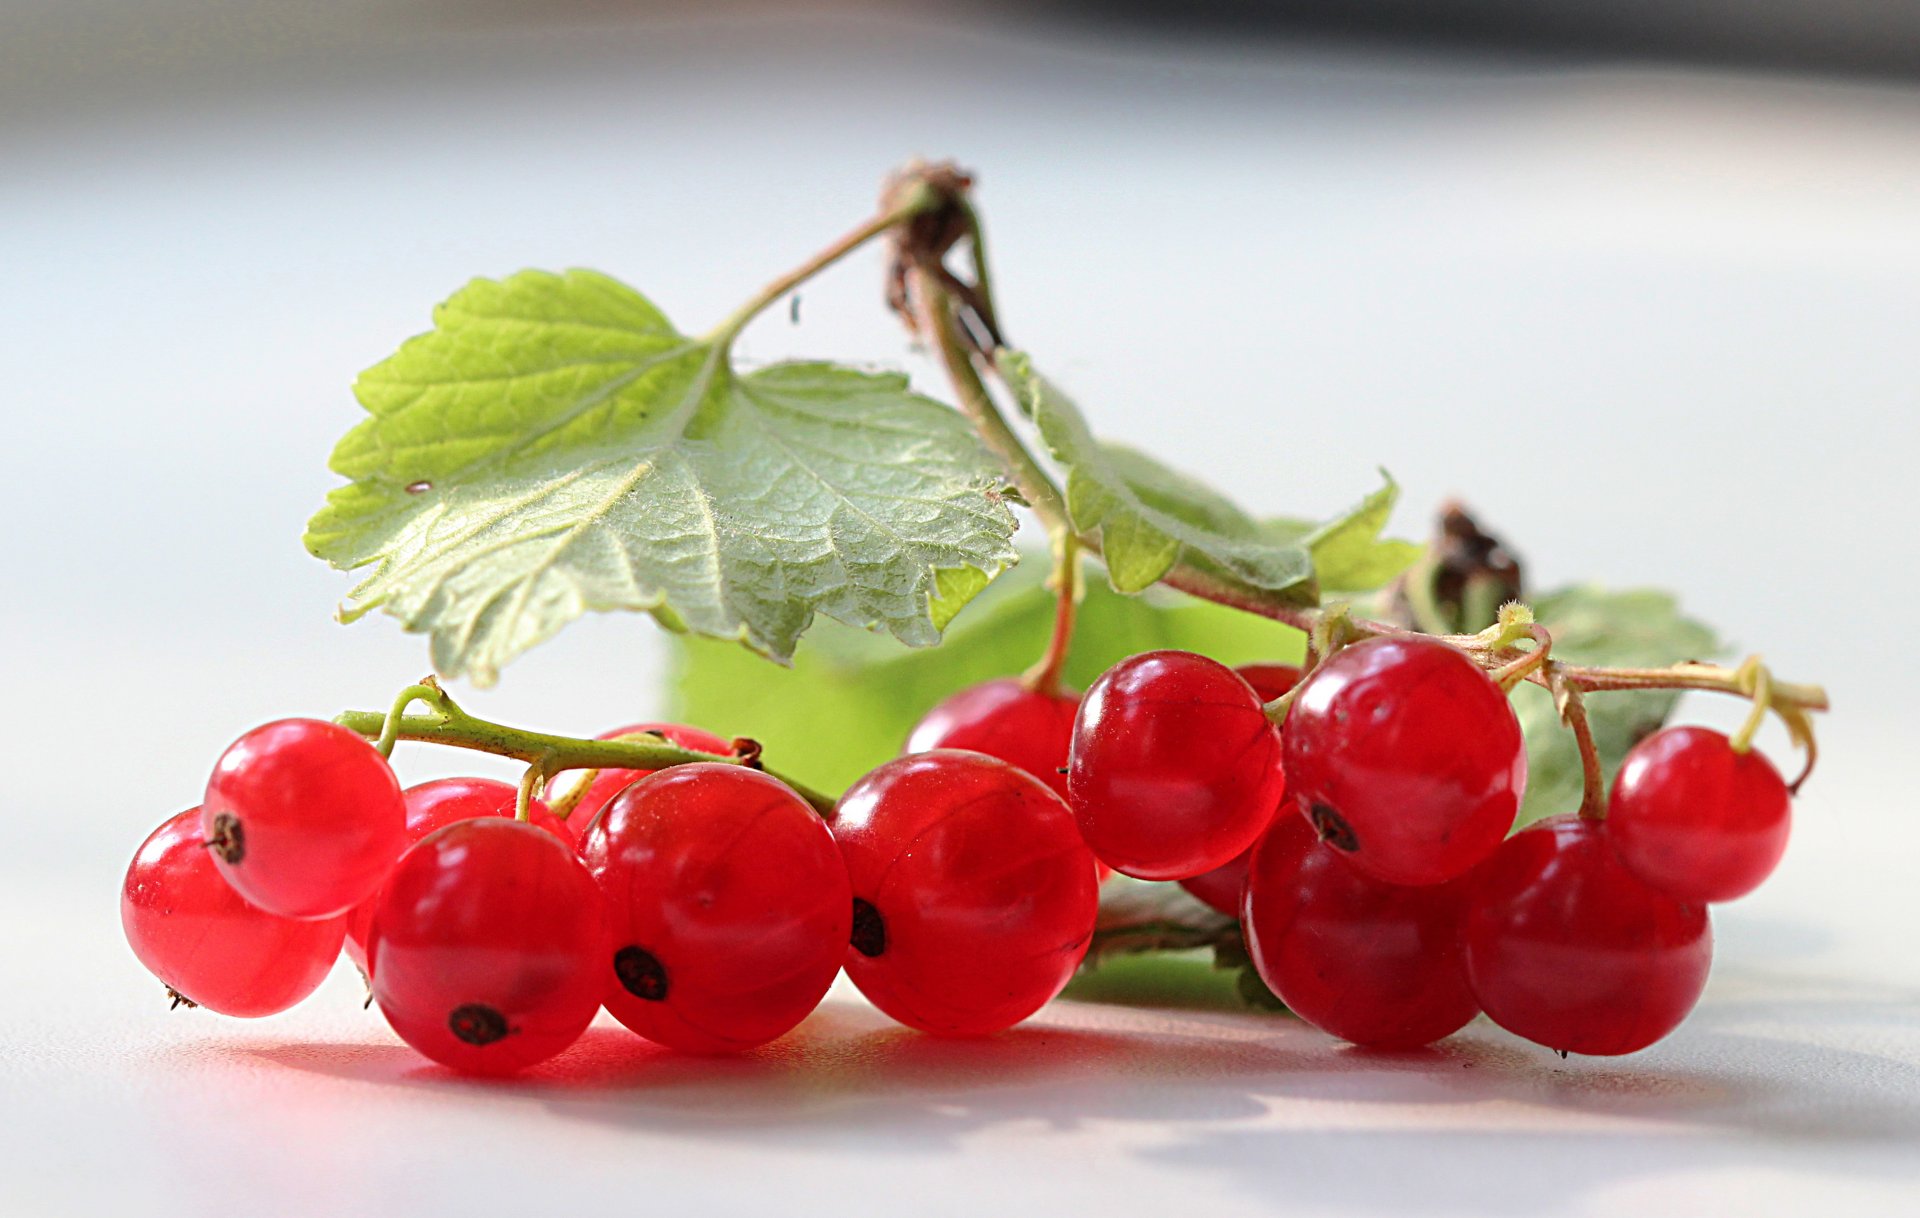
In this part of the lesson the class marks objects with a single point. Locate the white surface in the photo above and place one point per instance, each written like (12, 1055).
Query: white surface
(1656, 327)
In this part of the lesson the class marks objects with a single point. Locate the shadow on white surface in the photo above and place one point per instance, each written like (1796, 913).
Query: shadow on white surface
(848, 1070)
(1258, 1108)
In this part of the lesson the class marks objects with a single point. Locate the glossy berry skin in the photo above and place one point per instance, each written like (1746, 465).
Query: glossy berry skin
(1696, 819)
(1224, 886)
(1270, 680)
(1174, 769)
(1568, 949)
(1004, 719)
(1407, 757)
(304, 818)
(486, 946)
(728, 907)
(608, 783)
(1377, 964)
(196, 934)
(435, 805)
(973, 895)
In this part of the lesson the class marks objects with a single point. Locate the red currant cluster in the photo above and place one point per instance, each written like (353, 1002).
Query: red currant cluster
(708, 907)
(1394, 907)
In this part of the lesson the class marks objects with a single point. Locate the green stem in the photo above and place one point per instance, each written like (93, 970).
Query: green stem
(455, 727)
(956, 356)
(913, 203)
(427, 691)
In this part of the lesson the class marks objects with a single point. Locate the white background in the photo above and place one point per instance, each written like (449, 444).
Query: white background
(1656, 326)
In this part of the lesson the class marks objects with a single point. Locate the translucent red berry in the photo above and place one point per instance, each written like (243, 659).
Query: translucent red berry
(303, 818)
(605, 784)
(728, 906)
(1004, 719)
(1693, 817)
(487, 945)
(1270, 681)
(1374, 963)
(1174, 769)
(973, 896)
(435, 805)
(1407, 757)
(1568, 949)
(197, 935)
(1223, 887)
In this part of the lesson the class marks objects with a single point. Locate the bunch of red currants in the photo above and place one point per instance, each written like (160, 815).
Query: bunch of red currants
(708, 907)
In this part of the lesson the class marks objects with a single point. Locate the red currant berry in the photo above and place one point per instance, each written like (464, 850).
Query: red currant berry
(1223, 887)
(973, 895)
(435, 805)
(487, 944)
(728, 907)
(303, 818)
(1568, 949)
(605, 784)
(1007, 720)
(1407, 757)
(1377, 964)
(211, 948)
(1270, 681)
(1693, 817)
(1174, 769)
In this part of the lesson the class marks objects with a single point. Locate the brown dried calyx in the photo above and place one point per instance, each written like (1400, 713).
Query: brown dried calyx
(1467, 574)
(922, 243)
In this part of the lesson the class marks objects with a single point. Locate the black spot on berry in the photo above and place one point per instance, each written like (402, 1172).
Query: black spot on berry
(641, 973)
(869, 929)
(229, 839)
(477, 1024)
(1333, 828)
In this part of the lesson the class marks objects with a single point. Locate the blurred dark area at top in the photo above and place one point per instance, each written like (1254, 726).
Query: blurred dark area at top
(65, 58)
(1847, 37)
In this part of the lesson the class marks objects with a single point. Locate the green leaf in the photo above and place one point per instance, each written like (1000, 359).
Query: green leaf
(1633, 629)
(1149, 517)
(555, 446)
(1349, 555)
(953, 590)
(850, 698)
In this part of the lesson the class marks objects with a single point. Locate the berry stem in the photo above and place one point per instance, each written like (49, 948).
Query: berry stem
(1573, 711)
(1167, 936)
(427, 690)
(1044, 677)
(448, 724)
(1762, 703)
(530, 782)
(1513, 672)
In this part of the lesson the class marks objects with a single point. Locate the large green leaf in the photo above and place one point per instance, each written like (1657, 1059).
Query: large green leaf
(554, 446)
(1638, 628)
(851, 697)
